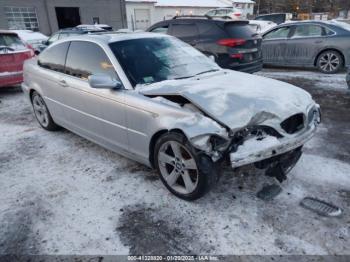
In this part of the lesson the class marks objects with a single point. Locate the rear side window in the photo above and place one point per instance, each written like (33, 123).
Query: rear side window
(184, 30)
(53, 58)
(237, 30)
(308, 31)
(278, 33)
(11, 40)
(86, 58)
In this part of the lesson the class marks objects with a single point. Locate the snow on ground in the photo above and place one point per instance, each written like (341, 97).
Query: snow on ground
(321, 80)
(61, 194)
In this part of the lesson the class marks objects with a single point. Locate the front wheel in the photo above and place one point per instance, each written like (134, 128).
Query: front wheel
(186, 173)
(330, 62)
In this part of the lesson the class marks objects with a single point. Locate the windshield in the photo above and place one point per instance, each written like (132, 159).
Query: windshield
(151, 60)
(11, 41)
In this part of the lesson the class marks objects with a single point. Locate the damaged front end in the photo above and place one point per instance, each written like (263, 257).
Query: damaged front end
(263, 146)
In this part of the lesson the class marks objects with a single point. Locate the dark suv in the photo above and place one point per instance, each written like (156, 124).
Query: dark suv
(233, 44)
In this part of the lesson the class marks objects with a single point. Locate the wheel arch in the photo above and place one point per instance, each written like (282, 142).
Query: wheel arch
(155, 138)
(330, 49)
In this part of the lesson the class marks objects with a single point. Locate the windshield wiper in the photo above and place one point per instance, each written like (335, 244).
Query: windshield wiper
(182, 77)
(208, 71)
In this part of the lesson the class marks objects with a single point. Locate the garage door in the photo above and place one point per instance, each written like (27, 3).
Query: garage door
(142, 19)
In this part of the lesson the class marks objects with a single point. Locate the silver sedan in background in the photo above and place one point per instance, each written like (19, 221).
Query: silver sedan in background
(161, 102)
(321, 44)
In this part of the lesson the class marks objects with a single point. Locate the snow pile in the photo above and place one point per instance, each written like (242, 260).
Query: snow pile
(323, 80)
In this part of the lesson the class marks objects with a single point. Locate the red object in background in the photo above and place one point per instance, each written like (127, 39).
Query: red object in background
(13, 53)
(231, 42)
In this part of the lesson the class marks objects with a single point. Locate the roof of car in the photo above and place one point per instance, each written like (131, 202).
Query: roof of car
(7, 32)
(81, 30)
(110, 37)
(200, 18)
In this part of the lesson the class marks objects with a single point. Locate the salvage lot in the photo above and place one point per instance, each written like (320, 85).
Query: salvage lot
(62, 194)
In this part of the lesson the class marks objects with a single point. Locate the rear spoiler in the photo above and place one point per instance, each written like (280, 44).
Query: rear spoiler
(237, 22)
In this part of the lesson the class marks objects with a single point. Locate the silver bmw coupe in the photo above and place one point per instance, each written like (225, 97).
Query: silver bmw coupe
(161, 102)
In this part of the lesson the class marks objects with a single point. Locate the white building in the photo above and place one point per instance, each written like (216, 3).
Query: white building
(246, 6)
(143, 13)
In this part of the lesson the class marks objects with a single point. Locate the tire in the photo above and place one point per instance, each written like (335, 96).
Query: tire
(42, 113)
(330, 62)
(176, 161)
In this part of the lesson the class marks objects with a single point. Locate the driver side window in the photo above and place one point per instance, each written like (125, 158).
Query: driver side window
(87, 58)
(161, 30)
(278, 33)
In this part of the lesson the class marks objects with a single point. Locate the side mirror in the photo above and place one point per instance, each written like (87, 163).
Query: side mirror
(45, 42)
(212, 58)
(104, 81)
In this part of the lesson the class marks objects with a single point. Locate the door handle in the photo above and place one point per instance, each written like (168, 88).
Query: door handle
(318, 41)
(63, 83)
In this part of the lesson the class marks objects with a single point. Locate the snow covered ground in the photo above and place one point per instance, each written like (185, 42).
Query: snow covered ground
(320, 80)
(61, 194)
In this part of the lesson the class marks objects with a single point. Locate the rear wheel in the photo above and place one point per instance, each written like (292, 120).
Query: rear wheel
(42, 113)
(330, 62)
(186, 173)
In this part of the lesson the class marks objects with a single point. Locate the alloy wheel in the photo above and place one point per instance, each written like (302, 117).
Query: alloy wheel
(40, 110)
(178, 167)
(329, 62)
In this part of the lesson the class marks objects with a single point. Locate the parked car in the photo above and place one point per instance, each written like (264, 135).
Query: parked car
(233, 44)
(260, 26)
(230, 12)
(69, 32)
(34, 39)
(169, 107)
(278, 18)
(320, 44)
(13, 53)
(348, 78)
(96, 26)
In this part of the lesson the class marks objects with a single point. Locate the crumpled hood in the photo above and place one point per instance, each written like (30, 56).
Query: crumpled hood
(237, 99)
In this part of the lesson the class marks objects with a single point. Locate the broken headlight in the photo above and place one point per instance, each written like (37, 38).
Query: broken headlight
(218, 143)
(209, 143)
(314, 115)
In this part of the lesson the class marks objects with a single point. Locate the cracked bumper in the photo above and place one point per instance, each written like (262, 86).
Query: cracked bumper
(285, 145)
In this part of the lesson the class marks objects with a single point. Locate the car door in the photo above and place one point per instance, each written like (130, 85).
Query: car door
(274, 45)
(187, 31)
(51, 64)
(304, 44)
(98, 114)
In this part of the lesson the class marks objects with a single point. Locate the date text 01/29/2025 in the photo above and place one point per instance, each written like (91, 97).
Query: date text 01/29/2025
(172, 258)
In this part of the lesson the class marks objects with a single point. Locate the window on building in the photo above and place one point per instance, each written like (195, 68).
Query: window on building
(23, 18)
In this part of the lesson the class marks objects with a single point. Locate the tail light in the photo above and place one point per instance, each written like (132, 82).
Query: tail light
(231, 42)
(237, 56)
(237, 14)
(32, 51)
